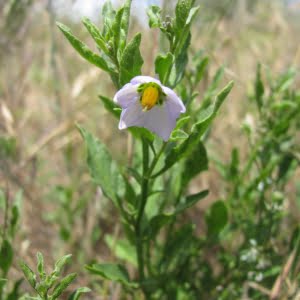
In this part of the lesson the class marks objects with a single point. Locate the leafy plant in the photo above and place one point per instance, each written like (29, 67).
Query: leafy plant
(51, 286)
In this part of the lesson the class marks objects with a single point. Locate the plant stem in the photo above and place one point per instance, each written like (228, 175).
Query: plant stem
(142, 204)
(147, 171)
(156, 158)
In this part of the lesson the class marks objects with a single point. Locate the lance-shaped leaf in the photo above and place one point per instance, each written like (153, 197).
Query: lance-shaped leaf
(61, 263)
(62, 285)
(103, 168)
(29, 274)
(6, 256)
(131, 60)
(84, 50)
(96, 35)
(191, 200)
(114, 272)
(125, 21)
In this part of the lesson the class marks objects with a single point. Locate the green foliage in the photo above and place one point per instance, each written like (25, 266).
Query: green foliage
(103, 169)
(51, 286)
(121, 60)
(10, 210)
(83, 49)
(131, 60)
(114, 272)
(256, 188)
(216, 218)
(6, 256)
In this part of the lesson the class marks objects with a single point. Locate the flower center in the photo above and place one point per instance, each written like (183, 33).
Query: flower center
(149, 97)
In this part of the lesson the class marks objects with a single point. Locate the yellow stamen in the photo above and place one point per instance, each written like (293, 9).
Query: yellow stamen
(150, 97)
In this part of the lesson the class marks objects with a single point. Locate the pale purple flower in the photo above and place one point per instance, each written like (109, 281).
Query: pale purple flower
(145, 102)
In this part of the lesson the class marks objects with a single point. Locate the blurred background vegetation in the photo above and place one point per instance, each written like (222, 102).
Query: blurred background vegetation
(46, 88)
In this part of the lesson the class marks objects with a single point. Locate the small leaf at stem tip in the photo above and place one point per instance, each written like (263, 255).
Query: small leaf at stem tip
(60, 264)
(154, 15)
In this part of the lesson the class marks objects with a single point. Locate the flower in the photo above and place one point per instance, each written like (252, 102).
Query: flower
(145, 102)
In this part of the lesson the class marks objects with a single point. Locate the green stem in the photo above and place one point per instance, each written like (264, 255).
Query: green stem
(147, 171)
(156, 158)
(142, 204)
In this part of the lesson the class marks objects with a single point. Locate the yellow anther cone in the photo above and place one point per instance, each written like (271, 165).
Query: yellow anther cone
(150, 97)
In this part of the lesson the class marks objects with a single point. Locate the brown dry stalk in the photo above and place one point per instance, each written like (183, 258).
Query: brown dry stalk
(275, 293)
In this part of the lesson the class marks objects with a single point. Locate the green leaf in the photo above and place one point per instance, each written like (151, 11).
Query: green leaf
(125, 21)
(182, 11)
(110, 106)
(163, 65)
(157, 222)
(84, 50)
(259, 87)
(200, 69)
(285, 80)
(131, 60)
(61, 263)
(184, 33)
(122, 249)
(62, 285)
(117, 29)
(216, 219)
(96, 35)
(181, 122)
(103, 168)
(187, 147)
(181, 61)
(114, 272)
(14, 219)
(195, 163)
(211, 90)
(40, 266)
(29, 274)
(191, 200)
(154, 15)
(178, 134)
(6, 256)
(108, 14)
(222, 96)
(76, 295)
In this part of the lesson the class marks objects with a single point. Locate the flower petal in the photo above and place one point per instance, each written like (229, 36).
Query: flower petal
(144, 79)
(174, 103)
(160, 121)
(132, 116)
(127, 95)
